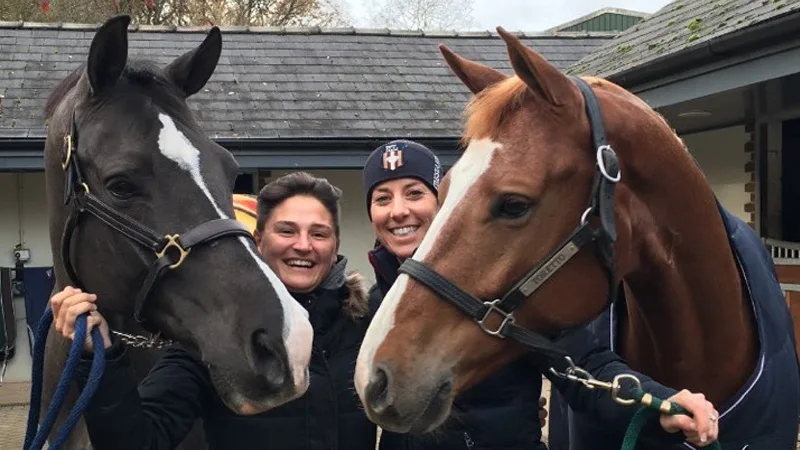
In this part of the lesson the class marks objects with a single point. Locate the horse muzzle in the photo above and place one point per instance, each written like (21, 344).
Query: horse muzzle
(403, 407)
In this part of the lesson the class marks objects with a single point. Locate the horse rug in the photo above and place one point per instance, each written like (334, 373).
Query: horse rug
(770, 397)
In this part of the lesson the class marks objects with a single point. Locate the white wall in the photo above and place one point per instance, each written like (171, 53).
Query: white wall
(23, 219)
(721, 155)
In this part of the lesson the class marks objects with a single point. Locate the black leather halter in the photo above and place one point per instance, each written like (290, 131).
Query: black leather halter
(601, 206)
(170, 250)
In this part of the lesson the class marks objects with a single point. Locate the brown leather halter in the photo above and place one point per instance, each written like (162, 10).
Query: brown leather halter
(170, 250)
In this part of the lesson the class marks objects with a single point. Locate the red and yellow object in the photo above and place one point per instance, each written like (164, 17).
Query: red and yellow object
(246, 209)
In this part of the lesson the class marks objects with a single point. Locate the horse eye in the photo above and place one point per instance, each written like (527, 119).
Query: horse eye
(121, 188)
(512, 207)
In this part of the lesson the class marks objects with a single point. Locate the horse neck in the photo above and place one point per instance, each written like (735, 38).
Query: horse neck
(689, 322)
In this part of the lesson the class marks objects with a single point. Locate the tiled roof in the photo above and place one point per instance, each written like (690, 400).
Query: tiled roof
(283, 83)
(676, 27)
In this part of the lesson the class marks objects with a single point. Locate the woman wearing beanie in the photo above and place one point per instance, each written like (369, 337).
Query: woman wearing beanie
(401, 181)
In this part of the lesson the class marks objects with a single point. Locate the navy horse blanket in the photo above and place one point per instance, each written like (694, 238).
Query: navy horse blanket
(763, 415)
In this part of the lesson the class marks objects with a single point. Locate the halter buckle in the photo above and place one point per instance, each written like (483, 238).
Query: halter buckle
(172, 242)
(508, 318)
(68, 156)
(601, 163)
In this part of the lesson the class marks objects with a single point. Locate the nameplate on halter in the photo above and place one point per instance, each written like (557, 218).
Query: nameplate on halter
(551, 266)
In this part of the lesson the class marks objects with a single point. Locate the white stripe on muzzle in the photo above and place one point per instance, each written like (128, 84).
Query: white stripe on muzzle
(297, 332)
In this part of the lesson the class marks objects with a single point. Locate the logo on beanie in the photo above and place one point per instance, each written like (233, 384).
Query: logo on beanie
(392, 158)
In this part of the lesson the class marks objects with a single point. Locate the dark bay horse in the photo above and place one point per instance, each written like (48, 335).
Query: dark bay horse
(140, 209)
(536, 150)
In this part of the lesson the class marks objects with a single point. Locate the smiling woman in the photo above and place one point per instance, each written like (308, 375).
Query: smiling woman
(298, 229)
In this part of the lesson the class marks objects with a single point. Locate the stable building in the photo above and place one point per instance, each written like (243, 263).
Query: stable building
(280, 100)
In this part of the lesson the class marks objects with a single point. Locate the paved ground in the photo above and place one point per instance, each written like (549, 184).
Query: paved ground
(14, 398)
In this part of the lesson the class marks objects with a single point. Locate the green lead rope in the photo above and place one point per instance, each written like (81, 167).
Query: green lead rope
(652, 408)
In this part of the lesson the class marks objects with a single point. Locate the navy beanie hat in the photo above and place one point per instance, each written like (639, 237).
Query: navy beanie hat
(401, 159)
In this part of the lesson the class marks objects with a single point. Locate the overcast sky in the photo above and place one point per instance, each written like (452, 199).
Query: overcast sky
(532, 15)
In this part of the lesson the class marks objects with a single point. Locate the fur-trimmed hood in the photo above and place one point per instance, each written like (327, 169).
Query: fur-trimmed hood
(351, 287)
(356, 305)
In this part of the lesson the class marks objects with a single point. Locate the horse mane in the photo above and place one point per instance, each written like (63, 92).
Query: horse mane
(486, 111)
(60, 91)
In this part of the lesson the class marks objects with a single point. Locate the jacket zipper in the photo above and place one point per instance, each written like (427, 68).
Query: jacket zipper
(468, 440)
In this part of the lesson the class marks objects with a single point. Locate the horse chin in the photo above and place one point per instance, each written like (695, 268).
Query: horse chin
(256, 396)
(433, 410)
(433, 416)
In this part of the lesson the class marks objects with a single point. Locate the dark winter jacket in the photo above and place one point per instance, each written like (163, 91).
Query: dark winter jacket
(502, 411)
(178, 390)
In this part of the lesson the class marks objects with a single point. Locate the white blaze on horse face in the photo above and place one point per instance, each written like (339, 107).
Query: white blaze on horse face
(297, 332)
(475, 161)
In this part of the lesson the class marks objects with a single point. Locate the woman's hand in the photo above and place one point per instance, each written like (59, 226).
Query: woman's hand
(67, 305)
(702, 429)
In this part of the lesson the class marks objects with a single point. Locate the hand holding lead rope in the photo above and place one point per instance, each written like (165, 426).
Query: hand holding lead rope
(702, 431)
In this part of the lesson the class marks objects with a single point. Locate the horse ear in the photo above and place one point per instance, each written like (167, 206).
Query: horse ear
(541, 76)
(108, 54)
(191, 71)
(476, 76)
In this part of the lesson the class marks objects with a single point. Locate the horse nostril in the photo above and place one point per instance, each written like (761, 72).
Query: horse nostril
(377, 392)
(266, 360)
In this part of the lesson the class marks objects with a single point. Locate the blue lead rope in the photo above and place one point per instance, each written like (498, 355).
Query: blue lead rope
(36, 434)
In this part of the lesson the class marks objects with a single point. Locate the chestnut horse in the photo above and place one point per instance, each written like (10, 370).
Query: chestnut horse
(538, 145)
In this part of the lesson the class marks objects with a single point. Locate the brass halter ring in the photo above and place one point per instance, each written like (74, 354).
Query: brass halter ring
(172, 241)
(68, 156)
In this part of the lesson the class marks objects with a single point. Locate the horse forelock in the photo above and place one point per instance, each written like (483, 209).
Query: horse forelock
(486, 112)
